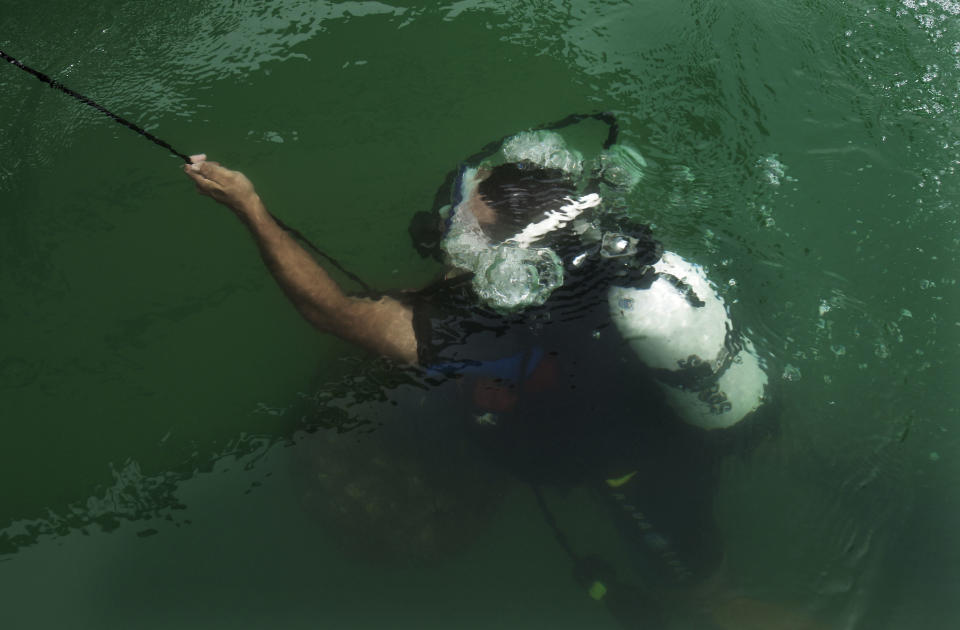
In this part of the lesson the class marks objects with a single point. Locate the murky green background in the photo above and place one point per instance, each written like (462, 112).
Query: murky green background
(154, 384)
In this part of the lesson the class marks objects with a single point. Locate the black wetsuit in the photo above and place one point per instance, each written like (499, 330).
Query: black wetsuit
(559, 398)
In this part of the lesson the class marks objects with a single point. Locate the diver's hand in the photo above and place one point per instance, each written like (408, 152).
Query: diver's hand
(231, 188)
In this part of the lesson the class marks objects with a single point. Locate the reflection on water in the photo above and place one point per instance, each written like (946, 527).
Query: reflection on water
(804, 153)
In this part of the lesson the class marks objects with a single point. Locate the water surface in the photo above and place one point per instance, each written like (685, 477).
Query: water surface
(155, 386)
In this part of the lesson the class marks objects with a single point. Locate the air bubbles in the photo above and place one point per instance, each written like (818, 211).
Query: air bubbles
(791, 373)
(269, 410)
(683, 173)
(893, 329)
(622, 166)
(273, 136)
(772, 169)
(546, 148)
(766, 218)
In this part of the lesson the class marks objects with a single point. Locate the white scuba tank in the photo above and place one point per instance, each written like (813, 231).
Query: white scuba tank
(680, 322)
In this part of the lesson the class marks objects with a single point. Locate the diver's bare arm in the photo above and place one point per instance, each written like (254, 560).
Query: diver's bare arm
(384, 326)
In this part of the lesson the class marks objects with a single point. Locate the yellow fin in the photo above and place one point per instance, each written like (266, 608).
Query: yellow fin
(597, 590)
(619, 481)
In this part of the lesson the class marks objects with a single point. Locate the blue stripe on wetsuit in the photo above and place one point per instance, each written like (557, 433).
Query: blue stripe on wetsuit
(511, 367)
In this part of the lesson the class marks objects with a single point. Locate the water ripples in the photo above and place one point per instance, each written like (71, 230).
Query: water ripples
(148, 74)
(803, 152)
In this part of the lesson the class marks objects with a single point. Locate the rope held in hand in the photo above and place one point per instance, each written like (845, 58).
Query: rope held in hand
(152, 138)
(100, 108)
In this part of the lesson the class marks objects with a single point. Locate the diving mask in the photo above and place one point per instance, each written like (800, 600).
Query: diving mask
(514, 274)
(520, 272)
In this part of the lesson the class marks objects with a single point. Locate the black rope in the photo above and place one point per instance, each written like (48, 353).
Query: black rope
(371, 293)
(552, 524)
(100, 108)
(152, 138)
(626, 603)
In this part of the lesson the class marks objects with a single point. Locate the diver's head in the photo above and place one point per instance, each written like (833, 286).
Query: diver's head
(511, 196)
(500, 224)
(504, 218)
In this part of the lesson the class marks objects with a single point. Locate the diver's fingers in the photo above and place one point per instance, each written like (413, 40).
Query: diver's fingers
(193, 172)
(199, 157)
(210, 170)
(210, 190)
(205, 186)
(224, 185)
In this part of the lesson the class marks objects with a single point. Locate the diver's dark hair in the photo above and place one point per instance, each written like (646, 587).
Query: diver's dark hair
(521, 193)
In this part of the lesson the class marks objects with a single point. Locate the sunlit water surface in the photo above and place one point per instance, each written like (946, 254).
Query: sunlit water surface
(160, 399)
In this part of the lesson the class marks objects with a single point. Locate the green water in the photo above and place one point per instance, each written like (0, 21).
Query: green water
(154, 384)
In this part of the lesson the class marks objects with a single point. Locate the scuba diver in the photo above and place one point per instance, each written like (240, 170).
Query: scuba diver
(583, 352)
